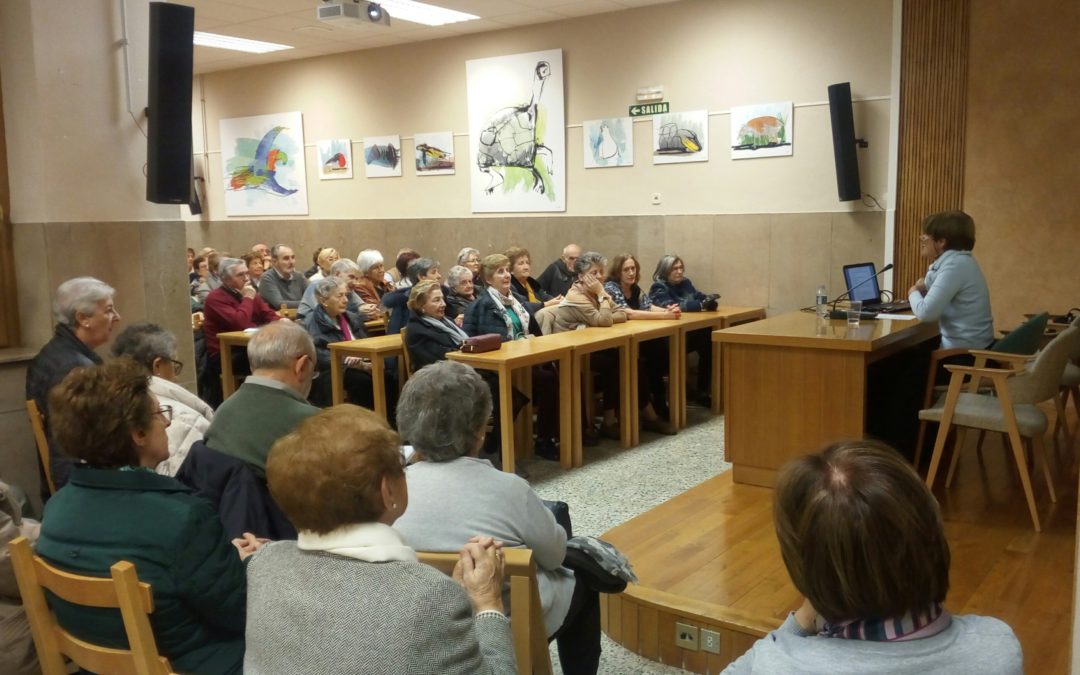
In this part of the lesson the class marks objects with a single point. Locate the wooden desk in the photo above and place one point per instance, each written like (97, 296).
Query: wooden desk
(794, 382)
(378, 349)
(522, 354)
(236, 338)
(641, 331)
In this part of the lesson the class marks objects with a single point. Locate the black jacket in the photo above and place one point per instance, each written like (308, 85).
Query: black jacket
(427, 344)
(483, 316)
(456, 304)
(557, 279)
(60, 355)
(397, 302)
(518, 289)
(683, 294)
(324, 330)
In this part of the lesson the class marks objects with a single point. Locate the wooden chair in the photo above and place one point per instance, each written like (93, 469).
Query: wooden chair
(405, 352)
(287, 313)
(530, 636)
(1011, 407)
(37, 423)
(123, 591)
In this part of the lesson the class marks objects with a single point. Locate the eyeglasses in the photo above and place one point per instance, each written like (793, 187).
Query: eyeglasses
(165, 411)
(178, 366)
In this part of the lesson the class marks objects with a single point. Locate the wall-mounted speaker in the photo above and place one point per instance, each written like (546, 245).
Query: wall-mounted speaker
(843, 136)
(168, 149)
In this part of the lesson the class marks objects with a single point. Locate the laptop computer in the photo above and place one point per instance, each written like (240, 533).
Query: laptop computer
(862, 284)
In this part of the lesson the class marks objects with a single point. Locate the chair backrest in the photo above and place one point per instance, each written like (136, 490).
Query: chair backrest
(1025, 338)
(530, 635)
(286, 313)
(123, 591)
(1043, 378)
(405, 351)
(37, 423)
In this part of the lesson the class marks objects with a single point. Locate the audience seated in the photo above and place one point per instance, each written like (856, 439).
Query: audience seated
(350, 596)
(85, 317)
(154, 348)
(348, 272)
(672, 287)
(862, 538)
(396, 301)
(331, 321)
(199, 277)
(281, 285)
(262, 250)
(469, 258)
(213, 262)
(454, 495)
(190, 263)
(397, 276)
(232, 307)
(559, 275)
(255, 267)
(372, 284)
(116, 508)
(461, 292)
(526, 289)
(272, 400)
(324, 260)
(18, 656)
(431, 336)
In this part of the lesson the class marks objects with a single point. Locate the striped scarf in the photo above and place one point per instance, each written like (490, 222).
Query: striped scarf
(910, 626)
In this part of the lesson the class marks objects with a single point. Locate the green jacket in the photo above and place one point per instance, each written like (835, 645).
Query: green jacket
(178, 546)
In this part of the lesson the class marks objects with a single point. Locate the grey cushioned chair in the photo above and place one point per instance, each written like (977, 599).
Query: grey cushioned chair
(1010, 408)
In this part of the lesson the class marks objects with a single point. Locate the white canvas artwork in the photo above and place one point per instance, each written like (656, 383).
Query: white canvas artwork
(608, 142)
(517, 133)
(335, 158)
(681, 137)
(263, 165)
(382, 156)
(765, 130)
(435, 154)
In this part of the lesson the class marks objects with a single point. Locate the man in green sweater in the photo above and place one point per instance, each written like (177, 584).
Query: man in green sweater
(272, 400)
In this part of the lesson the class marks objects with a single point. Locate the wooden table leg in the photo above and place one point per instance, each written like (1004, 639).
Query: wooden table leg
(576, 404)
(635, 412)
(715, 384)
(626, 394)
(565, 412)
(378, 383)
(337, 377)
(228, 383)
(506, 418)
(676, 375)
(527, 431)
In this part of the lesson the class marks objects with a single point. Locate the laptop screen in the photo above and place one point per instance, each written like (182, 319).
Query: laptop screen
(861, 277)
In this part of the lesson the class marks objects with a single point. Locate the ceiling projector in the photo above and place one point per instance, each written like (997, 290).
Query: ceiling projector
(353, 14)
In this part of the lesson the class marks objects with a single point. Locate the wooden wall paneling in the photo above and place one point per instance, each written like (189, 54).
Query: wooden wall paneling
(648, 632)
(614, 616)
(630, 626)
(669, 653)
(933, 110)
(9, 305)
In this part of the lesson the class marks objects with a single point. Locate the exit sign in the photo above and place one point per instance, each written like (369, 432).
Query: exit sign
(649, 109)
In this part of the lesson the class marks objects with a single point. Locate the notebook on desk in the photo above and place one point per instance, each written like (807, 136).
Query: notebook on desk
(862, 284)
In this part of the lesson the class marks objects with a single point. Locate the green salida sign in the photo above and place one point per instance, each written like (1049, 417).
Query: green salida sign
(650, 109)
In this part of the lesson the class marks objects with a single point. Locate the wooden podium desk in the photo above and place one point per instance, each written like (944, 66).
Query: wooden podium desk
(794, 382)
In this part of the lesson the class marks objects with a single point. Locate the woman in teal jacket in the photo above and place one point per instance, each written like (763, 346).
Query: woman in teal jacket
(116, 508)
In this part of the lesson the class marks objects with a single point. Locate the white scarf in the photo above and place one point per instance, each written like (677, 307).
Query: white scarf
(513, 304)
(370, 542)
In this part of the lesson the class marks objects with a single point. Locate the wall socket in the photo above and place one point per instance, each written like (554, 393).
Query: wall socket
(686, 636)
(710, 641)
(656, 199)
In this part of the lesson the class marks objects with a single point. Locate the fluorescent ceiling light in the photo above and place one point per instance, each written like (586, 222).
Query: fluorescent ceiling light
(419, 12)
(236, 44)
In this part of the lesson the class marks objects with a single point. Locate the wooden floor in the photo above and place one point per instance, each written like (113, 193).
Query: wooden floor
(709, 557)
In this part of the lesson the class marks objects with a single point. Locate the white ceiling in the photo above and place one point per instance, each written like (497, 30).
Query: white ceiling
(293, 22)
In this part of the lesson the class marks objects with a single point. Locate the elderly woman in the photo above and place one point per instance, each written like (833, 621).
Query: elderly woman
(431, 336)
(85, 317)
(397, 276)
(255, 267)
(117, 508)
(349, 596)
(324, 260)
(200, 285)
(672, 287)
(526, 289)
(496, 310)
(154, 348)
(953, 292)
(455, 495)
(331, 321)
(469, 258)
(856, 507)
(461, 293)
(372, 285)
(420, 269)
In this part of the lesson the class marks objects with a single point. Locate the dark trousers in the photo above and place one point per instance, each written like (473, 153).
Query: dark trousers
(579, 636)
(652, 367)
(700, 341)
(209, 381)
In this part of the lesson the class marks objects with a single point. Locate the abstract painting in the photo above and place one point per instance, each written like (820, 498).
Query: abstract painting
(335, 158)
(608, 142)
(681, 137)
(263, 161)
(435, 154)
(382, 156)
(517, 132)
(764, 130)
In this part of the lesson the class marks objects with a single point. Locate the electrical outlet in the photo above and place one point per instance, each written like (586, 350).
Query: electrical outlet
(710, 641)
(656, 199)
(686, 636)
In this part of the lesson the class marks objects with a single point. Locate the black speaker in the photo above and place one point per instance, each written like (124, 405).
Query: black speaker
(843, 139)
(168, 148)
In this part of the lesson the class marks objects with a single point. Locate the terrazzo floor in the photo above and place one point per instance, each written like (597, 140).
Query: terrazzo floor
(616, 485)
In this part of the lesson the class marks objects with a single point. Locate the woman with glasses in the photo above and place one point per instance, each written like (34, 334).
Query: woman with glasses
(116, 508)
(154, 348)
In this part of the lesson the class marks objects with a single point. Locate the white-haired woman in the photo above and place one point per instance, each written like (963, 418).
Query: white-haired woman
(372, 284)
(461, 294)
(469, 258)
(331, 321)
(85, 317)
(454, 495)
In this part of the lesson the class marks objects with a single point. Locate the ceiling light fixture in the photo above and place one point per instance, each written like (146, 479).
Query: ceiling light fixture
(420, 12)
(236, 44)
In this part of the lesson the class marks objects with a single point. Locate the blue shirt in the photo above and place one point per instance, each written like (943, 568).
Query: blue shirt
(958, 299)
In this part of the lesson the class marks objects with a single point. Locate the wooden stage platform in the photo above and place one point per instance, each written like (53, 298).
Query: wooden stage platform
(709, 558)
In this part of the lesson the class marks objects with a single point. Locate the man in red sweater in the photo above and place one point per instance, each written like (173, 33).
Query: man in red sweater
(235, 305)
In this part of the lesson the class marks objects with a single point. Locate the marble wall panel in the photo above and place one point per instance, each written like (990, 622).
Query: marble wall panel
(799, 260)
(692, 238)
(741, 251)
(856, 237)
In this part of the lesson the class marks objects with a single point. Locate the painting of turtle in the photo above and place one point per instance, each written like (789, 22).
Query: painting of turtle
(517, 132)
(264, 170)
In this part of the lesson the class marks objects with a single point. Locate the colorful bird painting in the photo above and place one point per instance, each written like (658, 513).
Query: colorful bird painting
(336, 161)
(260, 172)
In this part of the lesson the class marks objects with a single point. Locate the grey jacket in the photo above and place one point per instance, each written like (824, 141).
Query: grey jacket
(317, 612)
(276, 291)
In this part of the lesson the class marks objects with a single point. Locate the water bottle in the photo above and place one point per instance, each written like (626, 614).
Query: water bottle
(822, 301)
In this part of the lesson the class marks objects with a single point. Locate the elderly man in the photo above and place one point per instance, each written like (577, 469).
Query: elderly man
(559, 275)
(262, 250)
(281, 285)
(272, 400)
(231, 307)
(349, 272)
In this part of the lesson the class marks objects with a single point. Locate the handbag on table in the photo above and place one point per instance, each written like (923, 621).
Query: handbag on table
(488, 342)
